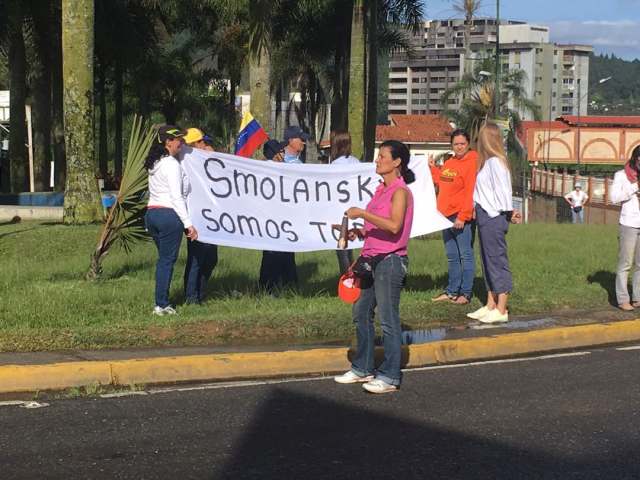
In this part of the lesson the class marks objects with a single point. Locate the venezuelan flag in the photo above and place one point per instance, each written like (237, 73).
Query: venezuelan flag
(250, 137)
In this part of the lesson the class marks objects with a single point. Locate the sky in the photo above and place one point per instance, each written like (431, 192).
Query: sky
(610, 26)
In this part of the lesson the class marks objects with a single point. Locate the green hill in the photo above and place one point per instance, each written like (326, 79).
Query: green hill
(621, 94)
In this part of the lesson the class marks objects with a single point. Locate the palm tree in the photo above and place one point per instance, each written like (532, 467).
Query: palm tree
(376, 25)
(478, 100)
(82, 199)
(468, 8)
(124, 224)
(260, 14)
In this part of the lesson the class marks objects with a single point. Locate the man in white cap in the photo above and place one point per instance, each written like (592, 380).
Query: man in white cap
(577, 199)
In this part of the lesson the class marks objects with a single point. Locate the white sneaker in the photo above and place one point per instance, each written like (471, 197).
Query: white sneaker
(379, 386)
(168, 310)
(478, 314)
(494, 316)
(350, 377)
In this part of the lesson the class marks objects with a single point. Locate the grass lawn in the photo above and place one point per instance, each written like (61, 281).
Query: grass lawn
(46, 304)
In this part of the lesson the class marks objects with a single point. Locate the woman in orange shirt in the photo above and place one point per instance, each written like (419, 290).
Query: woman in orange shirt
(456, 180)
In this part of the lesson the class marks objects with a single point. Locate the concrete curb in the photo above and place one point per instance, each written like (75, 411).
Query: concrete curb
(28, 378)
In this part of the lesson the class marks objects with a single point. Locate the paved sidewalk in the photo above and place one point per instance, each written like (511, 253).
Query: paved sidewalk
(25, 372)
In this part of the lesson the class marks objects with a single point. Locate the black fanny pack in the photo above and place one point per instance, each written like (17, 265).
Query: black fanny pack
(577, 209)
(364, 267)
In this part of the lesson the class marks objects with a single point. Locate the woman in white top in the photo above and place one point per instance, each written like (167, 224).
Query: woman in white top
(341, 155)
(625, 191)
(494, 211)
(167, 217)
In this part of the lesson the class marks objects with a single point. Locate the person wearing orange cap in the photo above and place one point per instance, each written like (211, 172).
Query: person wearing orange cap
(202, 258)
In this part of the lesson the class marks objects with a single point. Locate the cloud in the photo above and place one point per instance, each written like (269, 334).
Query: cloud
(619, 37)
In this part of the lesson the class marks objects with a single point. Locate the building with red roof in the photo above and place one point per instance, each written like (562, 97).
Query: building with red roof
(423, 134)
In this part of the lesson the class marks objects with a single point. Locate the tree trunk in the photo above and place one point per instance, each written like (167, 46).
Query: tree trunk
(103, 149)
(357, 80)
(259, 79)
(339, 107)
(117, 153)
(82, 199)
(18, 159)
(41, 71)
(371, 49)
(57, 112)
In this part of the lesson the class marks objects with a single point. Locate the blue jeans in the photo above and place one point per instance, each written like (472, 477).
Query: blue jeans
(388, 280)
(458, 245)
(577, 217)
(164, 225)
(202, 258)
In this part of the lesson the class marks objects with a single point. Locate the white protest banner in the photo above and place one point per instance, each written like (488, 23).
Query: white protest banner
(263, 205)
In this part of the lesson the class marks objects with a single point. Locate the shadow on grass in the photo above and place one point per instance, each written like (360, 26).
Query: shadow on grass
(16, 232)
(607, 281)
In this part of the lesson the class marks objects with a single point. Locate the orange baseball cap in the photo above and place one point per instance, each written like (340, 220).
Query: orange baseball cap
(349, 288)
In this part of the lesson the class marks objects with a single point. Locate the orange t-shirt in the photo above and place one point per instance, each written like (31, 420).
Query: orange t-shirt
(456, 180)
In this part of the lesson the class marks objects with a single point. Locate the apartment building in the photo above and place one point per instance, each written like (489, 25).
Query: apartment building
(556, 75)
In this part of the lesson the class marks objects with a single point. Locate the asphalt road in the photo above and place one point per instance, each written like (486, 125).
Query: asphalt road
(561, 417)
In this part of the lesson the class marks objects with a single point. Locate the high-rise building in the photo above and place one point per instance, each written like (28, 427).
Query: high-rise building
(556, 76)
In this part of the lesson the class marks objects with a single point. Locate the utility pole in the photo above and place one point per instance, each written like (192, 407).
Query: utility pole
(496, 93)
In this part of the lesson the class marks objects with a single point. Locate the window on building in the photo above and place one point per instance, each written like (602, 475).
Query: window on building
(397, 90)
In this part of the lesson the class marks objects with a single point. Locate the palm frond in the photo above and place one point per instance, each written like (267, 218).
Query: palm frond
(124, 224)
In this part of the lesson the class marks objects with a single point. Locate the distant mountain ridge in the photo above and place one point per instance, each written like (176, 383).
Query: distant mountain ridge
(621, 94)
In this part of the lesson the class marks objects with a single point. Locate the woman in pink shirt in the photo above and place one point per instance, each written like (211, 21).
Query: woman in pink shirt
(387, 225)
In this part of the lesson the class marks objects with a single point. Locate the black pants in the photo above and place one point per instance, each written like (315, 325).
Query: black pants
(278, 270)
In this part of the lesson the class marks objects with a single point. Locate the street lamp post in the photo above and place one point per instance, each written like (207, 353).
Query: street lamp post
(496, 92)
(580, 97)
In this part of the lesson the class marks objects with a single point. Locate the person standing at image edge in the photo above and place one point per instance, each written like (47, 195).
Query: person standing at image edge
(625, 191)
(455, 181)
(387, 225)
(167, 218)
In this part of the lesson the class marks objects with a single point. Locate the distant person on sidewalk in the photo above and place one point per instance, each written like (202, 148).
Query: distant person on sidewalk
(202, 258)
(577, 199)
(341, 155)
(625, 191)
(386, 235)
(456, 180)
(494, 211)
(167, 218)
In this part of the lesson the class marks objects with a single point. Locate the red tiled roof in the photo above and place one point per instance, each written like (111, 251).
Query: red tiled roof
(415, 129)
(595, 120)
